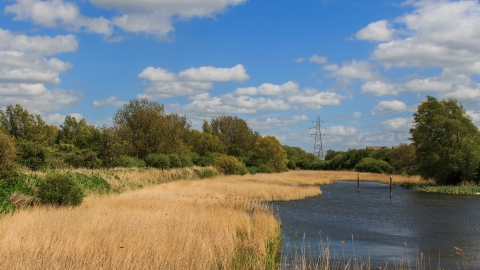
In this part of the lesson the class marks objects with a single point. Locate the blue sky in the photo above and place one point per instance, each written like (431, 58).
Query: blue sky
(362, 66)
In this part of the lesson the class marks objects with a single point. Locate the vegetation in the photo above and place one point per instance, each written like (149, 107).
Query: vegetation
(448, 143)
(60, 189)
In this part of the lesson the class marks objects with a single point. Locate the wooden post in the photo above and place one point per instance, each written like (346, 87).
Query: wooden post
(358, 183)
(390, 186)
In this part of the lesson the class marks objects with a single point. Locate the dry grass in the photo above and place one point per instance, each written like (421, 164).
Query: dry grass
(187, 224)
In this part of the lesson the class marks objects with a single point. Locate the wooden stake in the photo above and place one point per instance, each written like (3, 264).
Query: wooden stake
(358, 183)
(390, 186)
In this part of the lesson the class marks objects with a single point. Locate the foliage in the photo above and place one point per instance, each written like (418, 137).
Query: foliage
(84, 158)
(373, 165)
(291, 165)
(205, 173)
(60, 189)
(467, 190)
(147, 129)
(229, 165)
(159, 161)
(252, 170)
(264, 168)
(16, 184)
(90, 183)
(447, 142)
(175, 161)
(7, 156)
(235, 134)
(185, 160)
(269, 151)
(33, 155)
(131, 162)
(403, 159)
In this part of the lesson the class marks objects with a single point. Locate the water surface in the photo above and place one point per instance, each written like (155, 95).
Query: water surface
(385, 229)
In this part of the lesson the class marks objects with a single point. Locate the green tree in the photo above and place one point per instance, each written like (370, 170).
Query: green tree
(147, 129)
(235, 134)
(269, 151)
(8, 156)
(447, 142)
(79, 133)
(403, 158)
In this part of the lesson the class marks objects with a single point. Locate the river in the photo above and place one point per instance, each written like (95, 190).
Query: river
(385, 230)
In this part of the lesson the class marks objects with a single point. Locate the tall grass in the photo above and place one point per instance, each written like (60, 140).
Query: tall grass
(215, 223)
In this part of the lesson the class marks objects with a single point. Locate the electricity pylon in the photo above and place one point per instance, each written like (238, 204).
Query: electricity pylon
(318, 145)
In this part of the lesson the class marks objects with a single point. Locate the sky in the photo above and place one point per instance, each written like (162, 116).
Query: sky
(363, 67)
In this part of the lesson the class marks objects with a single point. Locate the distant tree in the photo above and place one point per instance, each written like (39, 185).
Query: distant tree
(269, 151)
(403, 158)
(78, 133)
(235, 134)
(22, 125)
(447, 142)
(147, 129)
(203, 142)
(8, 156)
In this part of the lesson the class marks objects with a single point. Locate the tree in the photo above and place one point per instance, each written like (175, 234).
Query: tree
(447, 142)
(403, 158)
(235, 134)
(269, 151)
(147, 129)
(8, 156)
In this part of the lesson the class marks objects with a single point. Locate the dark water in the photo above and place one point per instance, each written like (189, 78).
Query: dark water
(384, 228)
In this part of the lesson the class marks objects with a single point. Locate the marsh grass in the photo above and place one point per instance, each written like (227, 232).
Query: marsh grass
(216, 223)
(465, 190)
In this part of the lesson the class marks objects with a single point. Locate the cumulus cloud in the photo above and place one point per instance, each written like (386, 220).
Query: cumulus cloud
(389, 106)
(190, 82)
(58, 119)
(110, 101)
(378, 88)
(356, 114)
(318, 59)
(214, 74)
(312, 99)
(376, 31)
(398, 124)
(55, 13)
(353, 69)
(341, 130)
(288, 88)
(273, 122)
(44, 45)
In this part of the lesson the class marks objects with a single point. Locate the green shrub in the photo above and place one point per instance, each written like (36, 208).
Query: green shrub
(90, 183)
(84, 158)
(17, 184)
(131, 162)
(230, 165)
(252, 169)
(207, 160)
(60, 189)
(175, 161)
(263, 168)
(159, 161)
(205, 173)
(317, 166)
(8, 156)
(33, 155)
(291, 165)
(185, 160)
(373, 165)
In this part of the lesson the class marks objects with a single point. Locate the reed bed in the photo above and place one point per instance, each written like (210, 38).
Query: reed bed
(217, 223)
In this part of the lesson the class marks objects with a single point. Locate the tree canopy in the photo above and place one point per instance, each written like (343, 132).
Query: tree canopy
(447, 142)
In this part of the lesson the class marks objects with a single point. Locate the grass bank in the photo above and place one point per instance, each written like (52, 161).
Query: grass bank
(464, 190)
(216, 223)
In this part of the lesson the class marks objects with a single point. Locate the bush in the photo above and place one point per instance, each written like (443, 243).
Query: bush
(90, 183)
(318, 166)
(84, 158)
(8, 155)
(60, 189)
(230, 165)
(175, 161)
(33, 155)
(373, 165)
(207, 160)
(130, 162)
(17, 185)
(159, 161)
(291, 165)
(252, 169)
(263, 168)
(185, 160)
(205, 173)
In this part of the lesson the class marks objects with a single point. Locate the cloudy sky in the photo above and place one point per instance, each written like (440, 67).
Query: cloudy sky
(362, 66)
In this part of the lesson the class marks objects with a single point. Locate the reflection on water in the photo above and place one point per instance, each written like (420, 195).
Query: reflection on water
(384, 228)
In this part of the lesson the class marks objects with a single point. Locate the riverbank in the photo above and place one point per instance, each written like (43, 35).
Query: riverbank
(459, 190)
(220, 222)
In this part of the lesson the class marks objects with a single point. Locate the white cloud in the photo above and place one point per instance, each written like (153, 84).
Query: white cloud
(110, 101)
(299, 60)
(398, 124)
(464, 93)
(475, 115)
(288, 88)
(354, 69)
(318, 59)
(378, 88)
(357, 114)
(273, 122)
(44, 45)
(58, 119)
(341, 130)
(312, 99)
(214, 74)
(376, 31)
(157, 74)
(389, 106)
(55, 13)
(259, 103)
